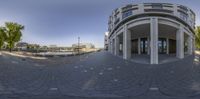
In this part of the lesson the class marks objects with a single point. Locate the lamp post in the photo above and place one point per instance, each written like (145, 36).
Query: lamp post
(78, 44)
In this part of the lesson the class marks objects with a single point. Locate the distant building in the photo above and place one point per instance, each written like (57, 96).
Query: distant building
(52, 46)
(55, 48)
(83, 45)
(106, 41)
(21, 46)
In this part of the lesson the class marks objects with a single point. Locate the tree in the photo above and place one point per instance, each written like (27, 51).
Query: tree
(2, 36)
(197, 39)
(13, 33)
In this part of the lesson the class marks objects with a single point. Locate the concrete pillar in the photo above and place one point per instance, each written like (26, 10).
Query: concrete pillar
(141, 8)
(154, 41)
(193, 43)
(190, 44)
(113, 45)
(167, 41)
(180, 43)
(116, 45)
(126, 43)
(175, 10)
(108, 45)
(148, 45)
(139, 52)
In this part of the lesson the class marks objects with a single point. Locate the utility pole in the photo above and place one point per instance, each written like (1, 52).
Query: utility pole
(78, 44)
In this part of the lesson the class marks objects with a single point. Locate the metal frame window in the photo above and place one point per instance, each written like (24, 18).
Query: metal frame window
(157, 6)
(127, 13)
(183, 16)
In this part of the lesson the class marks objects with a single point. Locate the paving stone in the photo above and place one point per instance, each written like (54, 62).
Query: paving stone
(99, 75)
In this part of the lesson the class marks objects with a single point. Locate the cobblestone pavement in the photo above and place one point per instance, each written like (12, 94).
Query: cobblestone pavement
(98, 75)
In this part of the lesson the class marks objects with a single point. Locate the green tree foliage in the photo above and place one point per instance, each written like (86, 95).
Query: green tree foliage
(197, 39)
(13, 33)
(2, 37)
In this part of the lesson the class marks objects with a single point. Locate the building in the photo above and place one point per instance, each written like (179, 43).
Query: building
(83, 45)
(55, 48)
(152, 29)
(106, 41)
(21, 46)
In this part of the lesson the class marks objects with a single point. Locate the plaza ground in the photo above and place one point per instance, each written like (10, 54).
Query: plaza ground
(98, 75)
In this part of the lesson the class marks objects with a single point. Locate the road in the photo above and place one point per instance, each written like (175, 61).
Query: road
(97, 76)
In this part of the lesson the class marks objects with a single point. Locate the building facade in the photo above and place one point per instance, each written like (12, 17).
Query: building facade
(106, 41)
(152, 29)
(21, 46)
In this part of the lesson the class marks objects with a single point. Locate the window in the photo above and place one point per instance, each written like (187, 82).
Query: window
(116, 21)
(126, 14)
(192, 16)
(183, 8)
(157, 6)
(127, 7)
(183, 16)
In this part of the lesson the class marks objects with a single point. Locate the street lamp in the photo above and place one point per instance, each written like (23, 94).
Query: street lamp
(78, 44)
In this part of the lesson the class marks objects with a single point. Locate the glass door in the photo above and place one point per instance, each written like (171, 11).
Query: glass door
(143, 45)
(162, 46)
(134, 47)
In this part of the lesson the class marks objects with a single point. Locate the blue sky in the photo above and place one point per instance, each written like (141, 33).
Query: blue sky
(60, 22)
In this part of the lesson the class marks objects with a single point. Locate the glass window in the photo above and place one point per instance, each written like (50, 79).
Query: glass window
(117, 20)
(183, 8)
(162, 46)
(143, 45)
(120, 47)
(183, 16)
(126, 14)
(157, 6)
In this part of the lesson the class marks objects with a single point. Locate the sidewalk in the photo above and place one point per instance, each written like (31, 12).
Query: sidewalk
(197, 52)
(22, 55)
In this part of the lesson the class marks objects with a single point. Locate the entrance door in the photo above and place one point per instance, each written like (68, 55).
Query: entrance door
(172, 46)
(143, 45)
(162, 46)
(135, 46)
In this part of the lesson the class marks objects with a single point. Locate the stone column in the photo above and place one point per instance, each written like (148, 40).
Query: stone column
(116, 45)
(167, 41)
(180, 43)
(189, 40)
(154, 41)
(139, 52)
(126, 43)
